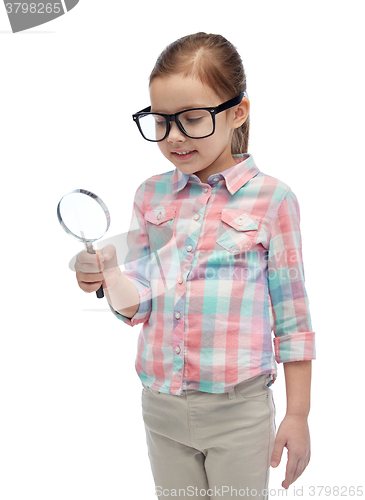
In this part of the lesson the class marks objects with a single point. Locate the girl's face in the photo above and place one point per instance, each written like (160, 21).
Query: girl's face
(171, 94)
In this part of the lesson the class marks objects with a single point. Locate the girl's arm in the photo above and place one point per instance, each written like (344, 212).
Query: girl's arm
(293, 432)
(294, 339)
(123, 296)
(298, 376)
(130, 295)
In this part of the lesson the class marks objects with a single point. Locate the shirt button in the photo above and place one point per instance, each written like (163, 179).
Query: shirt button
(158, 217)
(206, 190)
(177, 315)
(181, 280)
(240, 222)
(189, 248)
(177, 349)
(196, 217)
(216, 179)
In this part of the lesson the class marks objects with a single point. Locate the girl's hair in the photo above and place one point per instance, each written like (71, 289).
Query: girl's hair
(216, 62)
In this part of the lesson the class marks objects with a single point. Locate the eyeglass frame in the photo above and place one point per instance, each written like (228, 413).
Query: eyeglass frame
(174, 117)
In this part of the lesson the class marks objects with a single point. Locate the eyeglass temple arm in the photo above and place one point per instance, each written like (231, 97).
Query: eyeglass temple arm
(232, 102)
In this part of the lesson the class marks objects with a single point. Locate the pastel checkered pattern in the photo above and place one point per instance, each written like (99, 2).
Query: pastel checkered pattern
(219, 271)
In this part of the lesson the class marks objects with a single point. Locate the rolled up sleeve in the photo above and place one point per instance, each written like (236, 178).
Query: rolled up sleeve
(137, 262)
(294, 339)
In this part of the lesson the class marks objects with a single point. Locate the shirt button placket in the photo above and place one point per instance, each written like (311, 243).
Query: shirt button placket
(177, 348)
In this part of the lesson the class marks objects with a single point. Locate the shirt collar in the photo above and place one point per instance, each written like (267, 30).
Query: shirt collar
(235, 176)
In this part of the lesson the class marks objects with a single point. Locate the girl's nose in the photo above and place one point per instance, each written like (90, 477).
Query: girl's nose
(175, 134)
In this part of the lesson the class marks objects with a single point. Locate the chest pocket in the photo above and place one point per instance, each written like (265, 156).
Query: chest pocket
(160, 221)
(238, 231)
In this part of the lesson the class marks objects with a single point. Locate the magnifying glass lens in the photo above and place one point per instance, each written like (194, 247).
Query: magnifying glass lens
(84, 216)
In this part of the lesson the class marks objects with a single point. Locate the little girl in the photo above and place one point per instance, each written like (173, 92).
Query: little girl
(214, 266)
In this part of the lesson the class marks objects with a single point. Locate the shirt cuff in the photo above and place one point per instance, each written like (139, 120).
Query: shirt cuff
(144, 310)
(299, 346)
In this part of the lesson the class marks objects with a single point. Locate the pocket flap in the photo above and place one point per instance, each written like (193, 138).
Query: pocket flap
(239, 220)
(160, 214)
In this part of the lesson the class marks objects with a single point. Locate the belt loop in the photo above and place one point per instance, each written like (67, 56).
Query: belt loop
(232, 394)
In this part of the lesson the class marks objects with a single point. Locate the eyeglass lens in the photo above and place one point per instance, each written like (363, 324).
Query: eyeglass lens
(196, 123)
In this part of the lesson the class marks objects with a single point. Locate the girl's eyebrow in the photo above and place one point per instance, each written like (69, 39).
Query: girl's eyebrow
(182, 109)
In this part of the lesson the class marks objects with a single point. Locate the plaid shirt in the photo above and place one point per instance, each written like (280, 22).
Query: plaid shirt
(218, 267)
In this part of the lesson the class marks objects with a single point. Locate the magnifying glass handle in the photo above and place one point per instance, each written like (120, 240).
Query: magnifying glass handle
(100, 292)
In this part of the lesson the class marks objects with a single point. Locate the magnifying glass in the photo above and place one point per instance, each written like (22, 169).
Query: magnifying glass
(84, 216)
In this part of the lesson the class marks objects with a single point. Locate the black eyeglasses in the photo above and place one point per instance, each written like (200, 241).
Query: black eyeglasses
(196, 123)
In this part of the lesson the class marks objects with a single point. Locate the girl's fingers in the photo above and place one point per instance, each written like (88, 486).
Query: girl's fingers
(108, 252)
(278, 450)
(89, 268)
(291, 469)
(89, 277)
(85, 257)
(90, 287)
(89, 263)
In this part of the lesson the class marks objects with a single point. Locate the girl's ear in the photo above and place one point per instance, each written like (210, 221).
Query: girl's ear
(241, 113)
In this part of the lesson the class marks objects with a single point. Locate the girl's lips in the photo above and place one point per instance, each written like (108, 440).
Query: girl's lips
(183, 157)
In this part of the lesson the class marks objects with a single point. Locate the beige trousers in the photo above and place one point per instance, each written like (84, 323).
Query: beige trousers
(211, 446)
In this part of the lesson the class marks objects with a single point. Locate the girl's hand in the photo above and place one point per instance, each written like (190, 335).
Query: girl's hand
(292, 434)
(94, 270)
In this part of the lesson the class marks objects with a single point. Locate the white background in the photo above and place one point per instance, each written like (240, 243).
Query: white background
(70, 410)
